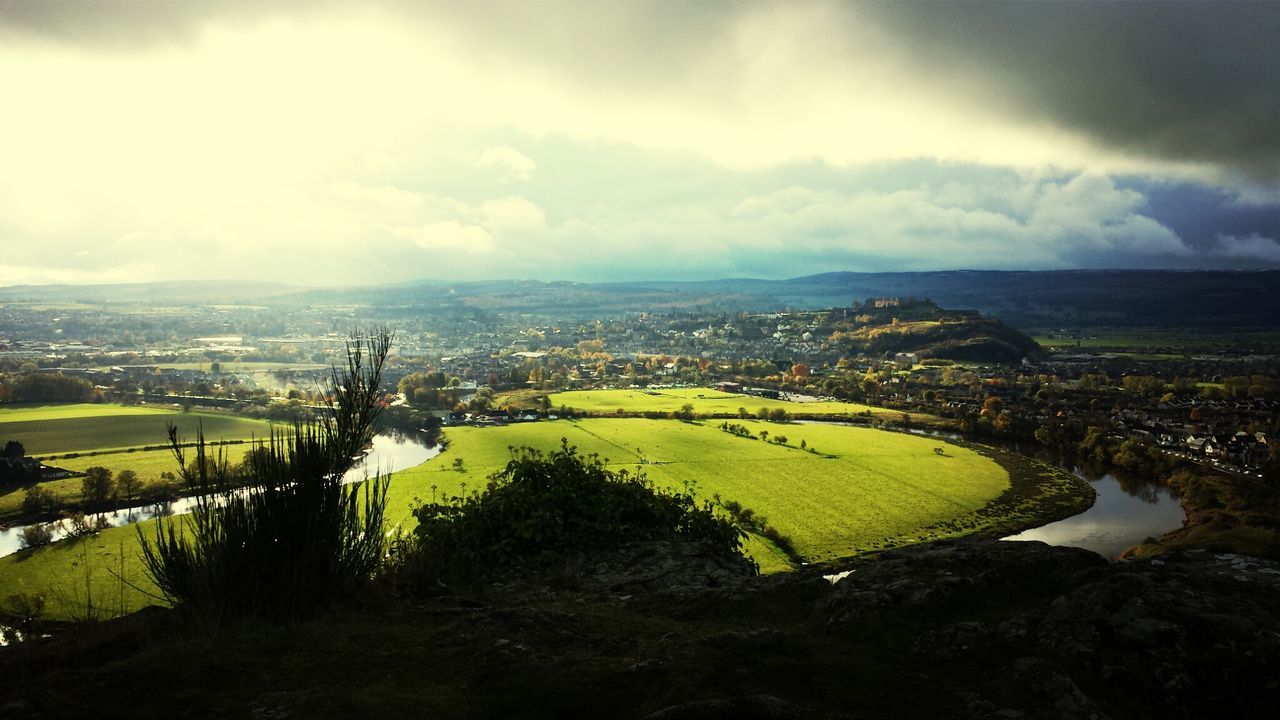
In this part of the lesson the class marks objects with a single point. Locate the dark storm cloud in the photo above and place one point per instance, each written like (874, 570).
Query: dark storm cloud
(1175, 81)
(1182, 82)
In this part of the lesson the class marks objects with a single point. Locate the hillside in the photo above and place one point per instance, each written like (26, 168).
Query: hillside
(1147, 298)
(943, 630)
(923, 328)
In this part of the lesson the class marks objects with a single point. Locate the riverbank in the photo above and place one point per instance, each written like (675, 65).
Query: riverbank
(1226, 513)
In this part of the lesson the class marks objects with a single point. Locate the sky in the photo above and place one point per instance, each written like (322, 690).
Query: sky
(334, 143)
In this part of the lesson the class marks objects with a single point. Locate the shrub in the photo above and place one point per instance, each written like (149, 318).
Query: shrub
(295, 540)
(38, 500)
(79, 525)
(551, 502)
(23, 608)
(36, 535)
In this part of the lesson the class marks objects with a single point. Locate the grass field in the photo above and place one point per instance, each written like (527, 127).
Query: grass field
(1121, 339)
(47, 430)
(867, 489)
(243, 367)
(704, 400)
(148, 464)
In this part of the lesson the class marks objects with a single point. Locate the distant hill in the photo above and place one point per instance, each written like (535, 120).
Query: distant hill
(923, 328)
(175, 292)
(1210, 299)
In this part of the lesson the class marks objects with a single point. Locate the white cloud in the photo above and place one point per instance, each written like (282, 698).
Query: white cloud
(386, 196)
(449, 235)
(1078, 222)
(511, 213)
(1253, 247)
(510, 164)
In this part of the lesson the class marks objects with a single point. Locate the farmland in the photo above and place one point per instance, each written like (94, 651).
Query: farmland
(59, 429)
(862, 489)
(1159, 341)
(147, 464)
(852, 490)
(78, 436)
(704, 400)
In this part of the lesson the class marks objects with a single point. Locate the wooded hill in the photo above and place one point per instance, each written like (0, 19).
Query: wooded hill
(923, 328)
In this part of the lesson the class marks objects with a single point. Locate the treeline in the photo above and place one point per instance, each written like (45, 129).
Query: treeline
(49, 387)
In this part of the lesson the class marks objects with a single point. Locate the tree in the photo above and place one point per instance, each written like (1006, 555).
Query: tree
(128, 484)
(97, 486)
(38, 501)
(13, 449)
(992, 407)
(800, 371)
(685, 412)
(296, 539)
(51, 386)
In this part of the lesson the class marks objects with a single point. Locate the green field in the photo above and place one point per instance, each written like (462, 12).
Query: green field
(233, 366)
(47, 430)
(864, 490)
(704, 400)
(867, 488)
(70, 411)
(1171, 341)
(148, 464)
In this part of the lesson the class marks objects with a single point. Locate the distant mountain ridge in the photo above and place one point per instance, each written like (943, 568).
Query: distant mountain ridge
(1045, 298)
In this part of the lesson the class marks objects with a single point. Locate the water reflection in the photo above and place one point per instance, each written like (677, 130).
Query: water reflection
(1128, 511)
(390, 451)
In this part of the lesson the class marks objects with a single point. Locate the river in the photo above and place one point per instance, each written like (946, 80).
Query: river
(1124, 514)
(1120, 518)
(390, 450)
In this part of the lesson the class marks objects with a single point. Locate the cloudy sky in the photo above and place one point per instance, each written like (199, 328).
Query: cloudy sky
(353, 143)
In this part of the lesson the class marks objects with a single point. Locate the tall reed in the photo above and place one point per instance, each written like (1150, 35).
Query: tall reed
(295, 539)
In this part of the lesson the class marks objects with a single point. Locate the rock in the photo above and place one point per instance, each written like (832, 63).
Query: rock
(750, 707)
(1049, 684)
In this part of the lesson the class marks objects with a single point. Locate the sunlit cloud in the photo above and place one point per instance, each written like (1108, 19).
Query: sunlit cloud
(275, 140)
(509, 164)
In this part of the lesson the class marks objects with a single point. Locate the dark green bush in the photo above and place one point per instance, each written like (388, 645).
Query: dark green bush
(558, 501)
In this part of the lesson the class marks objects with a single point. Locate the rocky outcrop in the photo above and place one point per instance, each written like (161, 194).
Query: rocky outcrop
(954, 629)
(1066, 634)
(626, 570)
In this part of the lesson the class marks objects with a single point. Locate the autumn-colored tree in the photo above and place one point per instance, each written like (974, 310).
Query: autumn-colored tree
(800, 371)
(992, 407)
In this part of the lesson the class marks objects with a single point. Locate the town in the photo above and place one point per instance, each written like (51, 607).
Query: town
(1188, 398)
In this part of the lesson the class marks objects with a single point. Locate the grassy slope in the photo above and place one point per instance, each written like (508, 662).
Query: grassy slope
(67, 411)
(59, 429)
(704, 400)
(880, 488)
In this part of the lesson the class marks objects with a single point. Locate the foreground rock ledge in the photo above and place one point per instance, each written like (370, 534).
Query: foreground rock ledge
(961, 629)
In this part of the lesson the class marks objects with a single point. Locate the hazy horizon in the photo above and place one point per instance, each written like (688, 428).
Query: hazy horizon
(341, 144)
